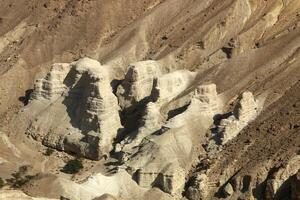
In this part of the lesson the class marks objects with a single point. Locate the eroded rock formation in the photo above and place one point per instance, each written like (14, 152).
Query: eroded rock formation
(138, 83)
(87, 112)
(162, 117)
(244, 112)
(170, 180)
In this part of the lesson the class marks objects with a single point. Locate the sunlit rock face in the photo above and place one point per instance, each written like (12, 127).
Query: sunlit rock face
(245, 111)
(138, 83)
(86, 111)
(169, 105)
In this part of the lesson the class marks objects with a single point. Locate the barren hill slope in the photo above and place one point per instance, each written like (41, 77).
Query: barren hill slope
(182, 99)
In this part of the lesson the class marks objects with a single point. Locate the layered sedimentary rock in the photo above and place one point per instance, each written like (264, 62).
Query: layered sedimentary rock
(204, 102)
(106, 197)
(52, 85)
(164, 132)
(170, 85)
(80, 96)
(244, 112)
(208, 98)
(170, 180)
(159, 91)
(138, 82)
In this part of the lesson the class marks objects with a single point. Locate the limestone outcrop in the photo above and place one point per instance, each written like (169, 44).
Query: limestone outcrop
(106, 197)
(160, 91)
(170, 85)
(244, 112)
(167, 108)
(204, 102)
(162, 138)
(208, 98)
(138, 82)
(52, 85)
(170, 180)
(87, 112)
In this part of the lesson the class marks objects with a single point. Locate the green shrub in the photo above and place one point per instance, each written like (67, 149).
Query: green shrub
(2, 183)
(49, 152)
(73, 166)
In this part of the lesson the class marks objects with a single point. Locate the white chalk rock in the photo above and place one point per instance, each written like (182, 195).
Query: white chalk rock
(246, 109)
(171, 85)
(170, 180)
(86, 111)
(52, 85)
(138, 82)
(208, 99)
(244, 112)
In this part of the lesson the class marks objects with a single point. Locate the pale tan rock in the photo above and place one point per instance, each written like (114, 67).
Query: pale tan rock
(166, 88)
(138, 82)
(170, 179)
(172, 84)
(52, 85)
(204, 102)
(152, 120)
(246, 109)
(87, 111)
(208, 97)
(106, 197)
(228, 190)
(244, 112)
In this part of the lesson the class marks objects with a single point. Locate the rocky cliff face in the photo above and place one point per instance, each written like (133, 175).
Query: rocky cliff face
(80, 98)
(192, 100)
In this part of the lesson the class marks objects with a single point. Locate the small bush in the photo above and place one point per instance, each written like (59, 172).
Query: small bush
(2, 183)
(20, 177)
(73, 166)
(49, 152)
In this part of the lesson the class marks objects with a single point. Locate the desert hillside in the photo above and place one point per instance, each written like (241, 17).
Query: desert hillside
(152, 99)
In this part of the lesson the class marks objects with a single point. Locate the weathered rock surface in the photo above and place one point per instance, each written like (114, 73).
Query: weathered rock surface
(169, 86)
(244, 112)
(167, 105)
(52, 86)
(170, 180)
(87, 112)
(162, 133)
(138, 83)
